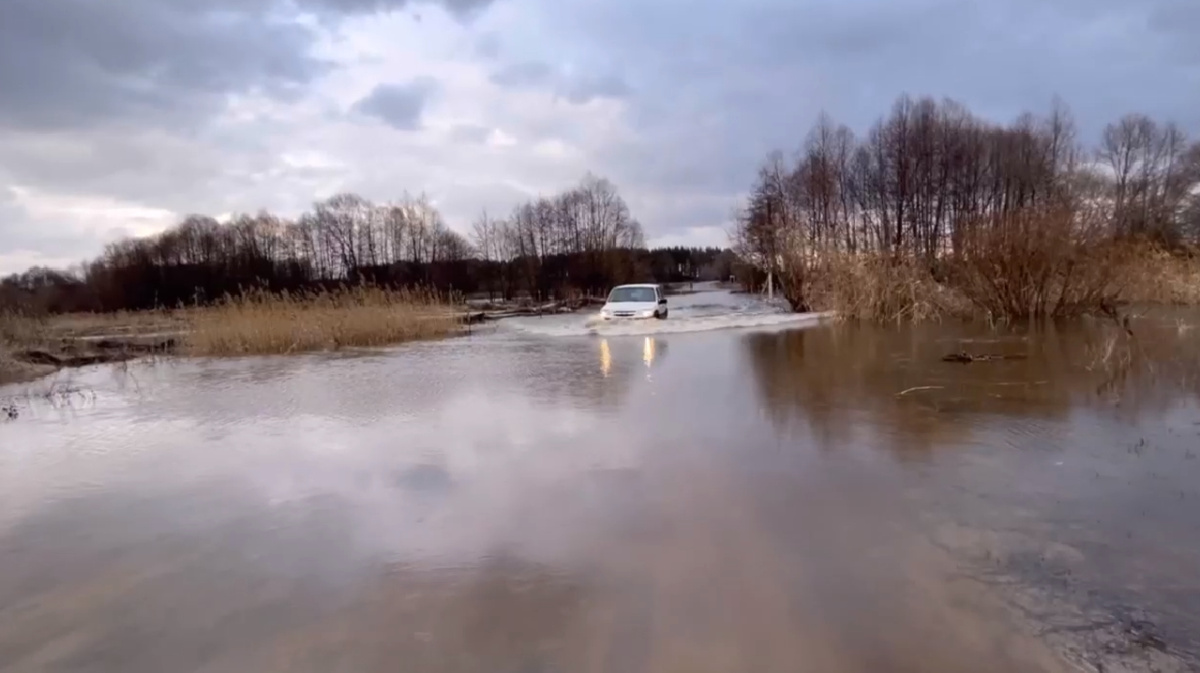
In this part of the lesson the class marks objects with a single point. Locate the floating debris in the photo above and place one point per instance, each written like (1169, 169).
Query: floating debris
(965, 357)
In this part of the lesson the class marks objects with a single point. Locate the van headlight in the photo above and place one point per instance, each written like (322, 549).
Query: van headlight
(647, 314)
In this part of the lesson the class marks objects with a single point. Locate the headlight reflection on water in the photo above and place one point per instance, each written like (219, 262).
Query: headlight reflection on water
(649, 352)
(605, 358)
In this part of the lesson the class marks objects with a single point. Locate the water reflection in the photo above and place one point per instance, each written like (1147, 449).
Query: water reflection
(827, 381)
(648, 351)
(232, 586)
(504, 614)
(522, 503)
(1066, 469)
(652, 349)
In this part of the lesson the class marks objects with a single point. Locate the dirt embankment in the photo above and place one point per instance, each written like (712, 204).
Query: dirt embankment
(26, 364)
(16, 371)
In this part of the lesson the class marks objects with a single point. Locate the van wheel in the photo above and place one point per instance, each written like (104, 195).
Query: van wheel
(661, 316)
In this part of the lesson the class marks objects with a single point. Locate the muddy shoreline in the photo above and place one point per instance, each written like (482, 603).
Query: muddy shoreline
(23, 365)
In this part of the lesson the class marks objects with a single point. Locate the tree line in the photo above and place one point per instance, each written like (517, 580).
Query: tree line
(926, 179)
(580, 241)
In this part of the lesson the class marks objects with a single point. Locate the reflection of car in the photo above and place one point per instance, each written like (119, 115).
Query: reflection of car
(635, 301)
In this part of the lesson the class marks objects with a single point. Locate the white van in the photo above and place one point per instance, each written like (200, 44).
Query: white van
(635, 301)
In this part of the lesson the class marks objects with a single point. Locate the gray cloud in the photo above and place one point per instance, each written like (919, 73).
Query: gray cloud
(526, 74)
(45, 239)
(463, 9)
(577, 88)
(463, 203)
(470, 134)
(72, 63)
(854, 58)
(1179, 22)
(585, 89)
(487, 46)
(398, 105)
(10, 214)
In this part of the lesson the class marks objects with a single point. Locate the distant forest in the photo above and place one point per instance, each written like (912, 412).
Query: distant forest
(922, 183)
(581, 241)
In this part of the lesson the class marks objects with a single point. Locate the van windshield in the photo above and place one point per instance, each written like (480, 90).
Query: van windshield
(630, 294)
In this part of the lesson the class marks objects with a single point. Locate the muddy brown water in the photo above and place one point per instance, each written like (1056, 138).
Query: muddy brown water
(829, 498)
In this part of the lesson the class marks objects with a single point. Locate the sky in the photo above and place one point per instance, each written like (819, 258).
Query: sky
(118, 118)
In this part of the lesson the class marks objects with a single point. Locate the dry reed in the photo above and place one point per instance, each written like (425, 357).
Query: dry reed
(266, 323)
(1030, 264)
(17, 330)
(117, 323)
(882, 288)
(1161, 277)
(21, 330)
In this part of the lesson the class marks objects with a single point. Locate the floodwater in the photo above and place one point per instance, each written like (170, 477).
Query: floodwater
(729, 490)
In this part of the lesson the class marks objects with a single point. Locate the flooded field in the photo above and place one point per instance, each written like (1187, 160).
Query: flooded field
(732, 489)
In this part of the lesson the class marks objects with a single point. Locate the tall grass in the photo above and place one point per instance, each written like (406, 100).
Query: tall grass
(883, 288)
(1163, 277)
(1031, 264)
(117, 323)
(26, 330)
(260, 322)
(18, 331)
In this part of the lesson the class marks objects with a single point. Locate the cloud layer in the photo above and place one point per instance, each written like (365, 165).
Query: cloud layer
(117, 118)
(398, 105)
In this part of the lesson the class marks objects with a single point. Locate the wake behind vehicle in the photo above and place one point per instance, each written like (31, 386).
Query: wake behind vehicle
(634, 302)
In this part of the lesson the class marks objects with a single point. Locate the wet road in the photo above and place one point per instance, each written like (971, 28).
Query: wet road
(541, 498)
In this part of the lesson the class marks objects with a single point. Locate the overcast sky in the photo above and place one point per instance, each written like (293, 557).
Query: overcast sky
(116, 117)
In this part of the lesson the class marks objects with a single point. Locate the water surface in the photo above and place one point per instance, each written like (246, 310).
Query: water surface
(551, 495)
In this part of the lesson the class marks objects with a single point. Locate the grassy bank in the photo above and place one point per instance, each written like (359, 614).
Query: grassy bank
(17, 333)
(13, 370)
(262, 323)
(1036, 263)
(889, 289)
(257, 323)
